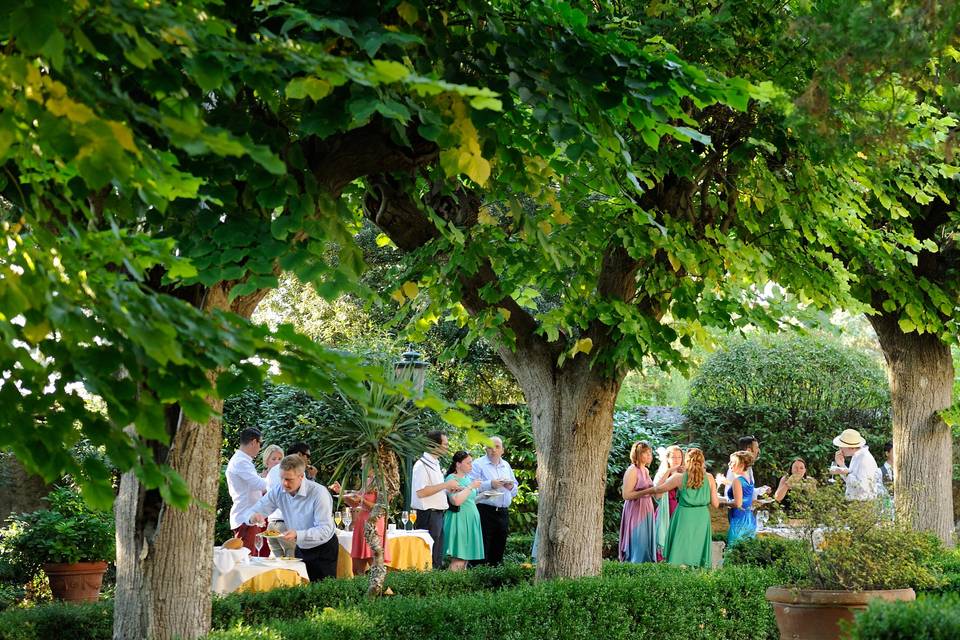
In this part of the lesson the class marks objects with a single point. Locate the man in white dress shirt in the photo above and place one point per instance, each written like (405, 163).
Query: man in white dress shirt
(429, 493)
(245, 486)
(495, 476)
(307, 510)
(863, 475)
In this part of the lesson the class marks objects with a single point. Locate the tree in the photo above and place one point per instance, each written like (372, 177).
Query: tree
(634, 200)
(152, 188)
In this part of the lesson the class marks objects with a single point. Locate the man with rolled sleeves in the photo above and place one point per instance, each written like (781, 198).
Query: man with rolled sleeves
(429, 493)
(499, 482)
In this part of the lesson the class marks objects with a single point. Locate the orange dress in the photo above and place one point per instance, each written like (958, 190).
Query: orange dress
(359, 549)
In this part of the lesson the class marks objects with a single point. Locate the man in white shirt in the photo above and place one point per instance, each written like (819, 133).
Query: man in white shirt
(495, 476)
(246, 487)
(307, 509)
(429, 493)
(863, 474)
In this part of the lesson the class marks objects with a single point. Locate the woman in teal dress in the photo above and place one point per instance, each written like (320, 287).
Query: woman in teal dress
(743, 523)
(462, 536)
(689, 536)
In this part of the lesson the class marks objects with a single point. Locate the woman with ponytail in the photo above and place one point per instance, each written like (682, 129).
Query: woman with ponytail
(688, 539)
(743, 524)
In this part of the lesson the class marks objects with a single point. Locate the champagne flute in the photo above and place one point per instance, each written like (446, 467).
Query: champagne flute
(404, 517)
(347, 518)
(413, 519)
(258, 543)
(337, 518)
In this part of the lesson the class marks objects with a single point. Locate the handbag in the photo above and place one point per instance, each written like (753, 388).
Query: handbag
(454, 508)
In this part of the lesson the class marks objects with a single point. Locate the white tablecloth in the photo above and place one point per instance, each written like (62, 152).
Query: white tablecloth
(229, 581)
(345, 538)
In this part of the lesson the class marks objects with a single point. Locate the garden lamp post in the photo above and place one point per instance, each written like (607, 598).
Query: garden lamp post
(410, 367)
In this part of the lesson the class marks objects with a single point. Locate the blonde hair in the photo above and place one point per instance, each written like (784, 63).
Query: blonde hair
(744, 458)
(268, 451)
(696, 468)
(637, 450)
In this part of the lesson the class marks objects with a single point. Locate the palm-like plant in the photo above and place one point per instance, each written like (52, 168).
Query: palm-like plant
(371, 439)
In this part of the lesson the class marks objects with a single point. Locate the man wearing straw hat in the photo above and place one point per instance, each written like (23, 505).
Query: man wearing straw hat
(863, 474)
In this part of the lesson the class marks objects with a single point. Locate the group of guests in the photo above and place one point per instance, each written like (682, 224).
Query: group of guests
(466, 510)
(667, 518)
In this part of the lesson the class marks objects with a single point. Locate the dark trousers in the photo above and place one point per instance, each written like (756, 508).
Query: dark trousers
(495, 525)
(321, 561)
(432, 521)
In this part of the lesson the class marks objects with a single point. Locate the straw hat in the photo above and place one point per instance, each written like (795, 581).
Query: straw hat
(849, 438)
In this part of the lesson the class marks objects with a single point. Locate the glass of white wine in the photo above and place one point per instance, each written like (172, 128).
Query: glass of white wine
(413, 519)
(337, 518)
(404, 517)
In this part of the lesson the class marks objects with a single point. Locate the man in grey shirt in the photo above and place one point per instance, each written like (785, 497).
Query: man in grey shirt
(307, 510)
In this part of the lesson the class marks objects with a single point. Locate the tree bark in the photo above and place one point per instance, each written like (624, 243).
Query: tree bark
(164, 557)
(571, 409)
(920, 370)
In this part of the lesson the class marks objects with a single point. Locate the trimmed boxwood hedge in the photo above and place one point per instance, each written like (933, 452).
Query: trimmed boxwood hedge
(634, 601)
(933, 617)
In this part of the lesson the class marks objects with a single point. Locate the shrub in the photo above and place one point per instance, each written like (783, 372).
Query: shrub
(928, 618)
(68, 531)
(626, 604)
(794, 393)
(59, 620)
(788, 558)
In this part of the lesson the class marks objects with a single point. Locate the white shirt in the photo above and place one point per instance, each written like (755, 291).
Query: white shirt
(863, 481)
(244, 484)
(273, 480)
(309, 512)
(426, 472)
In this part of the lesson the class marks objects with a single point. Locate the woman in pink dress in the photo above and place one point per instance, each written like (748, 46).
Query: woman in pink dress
(361, 552)
(638, 536)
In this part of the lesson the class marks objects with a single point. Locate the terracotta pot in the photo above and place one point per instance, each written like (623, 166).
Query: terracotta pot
(76, 582)
(808, 614)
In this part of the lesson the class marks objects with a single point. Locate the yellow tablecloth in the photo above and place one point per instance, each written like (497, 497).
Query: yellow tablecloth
(272, 580)
(406, 552)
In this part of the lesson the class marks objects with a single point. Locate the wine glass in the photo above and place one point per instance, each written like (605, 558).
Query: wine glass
(404, 517)
(413, 519)
(762, 517)
(258, 543)
(347, 518)
(337, 518)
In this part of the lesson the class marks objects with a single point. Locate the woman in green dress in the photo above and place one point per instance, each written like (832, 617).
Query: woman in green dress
(462, 536)
(689, 537)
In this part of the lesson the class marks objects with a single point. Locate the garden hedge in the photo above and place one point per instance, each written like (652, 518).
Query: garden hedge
(635, 601)
(931, 617)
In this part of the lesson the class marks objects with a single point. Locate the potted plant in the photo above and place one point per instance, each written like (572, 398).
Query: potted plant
(852, 554)
(69, 541)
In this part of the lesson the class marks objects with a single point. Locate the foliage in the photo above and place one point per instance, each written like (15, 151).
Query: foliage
(148, 201)
(788, 558)
(928, 618)
(793, 393)
(853, 545)
(67, 531)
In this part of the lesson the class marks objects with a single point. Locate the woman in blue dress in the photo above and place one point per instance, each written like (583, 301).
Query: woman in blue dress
(743, 523)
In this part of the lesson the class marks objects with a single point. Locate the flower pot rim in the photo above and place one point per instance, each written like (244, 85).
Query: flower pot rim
(781, 593)
(89, 564)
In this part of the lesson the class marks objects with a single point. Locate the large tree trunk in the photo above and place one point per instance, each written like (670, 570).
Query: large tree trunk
(920, 370)
(164, 555)
(571, 409)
